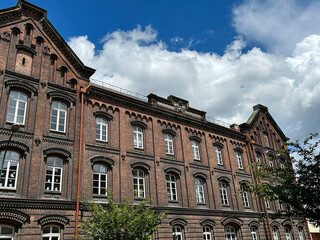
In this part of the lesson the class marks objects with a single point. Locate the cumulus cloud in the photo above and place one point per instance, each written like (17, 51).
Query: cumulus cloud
(226, 86)
(277, 24)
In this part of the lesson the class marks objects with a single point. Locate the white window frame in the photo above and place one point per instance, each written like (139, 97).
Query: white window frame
(17, 101)
(138, 137)
(207, 233)
(51, 234)
(138, 182)
(7, 174)
(230, 233)
(218, 155)
(267, 204)
(245, 196)
(101, 126)
(100, 175)
(275, 233)
(168, 138)
(239, 159)
(200, 197)
(224, 193)
(59, 110)
(52, 182)
(254, 234)
(287, 232)
(271, 162)
(195, 150)
(172, 187)
(177, 232)
(6, 236)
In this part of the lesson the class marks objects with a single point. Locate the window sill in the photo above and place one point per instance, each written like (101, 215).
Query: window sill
(173, 201)
(102, 142)
(139, 199)
(52, 192)
(99, 196)
(138, 149)
(57, 132)
(4, 189)
(201, 204)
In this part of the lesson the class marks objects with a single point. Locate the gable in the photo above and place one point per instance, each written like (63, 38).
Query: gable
(26, 13)
(261, 122)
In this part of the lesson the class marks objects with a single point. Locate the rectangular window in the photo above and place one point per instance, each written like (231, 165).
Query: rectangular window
(100, 179)
(218, 155)
(171, 187)
(17, 107)
(223, 193)
(138, 137)
(58, 117)
(195, 150)
(239, 160)
(168, 144)
(245, 197)
(53, 174)
(138, 183)
(101, 129)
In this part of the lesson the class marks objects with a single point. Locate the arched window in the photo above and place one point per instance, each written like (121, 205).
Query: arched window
(139, 187)
(259, 157)
(224, 193)
(177, 232)
(254, 233)
(9, 175)
(101, 129)
(207, 233)
(244, 195)
(195, 150)
(6, 232)
(270, 161)
(58, 117)
(172, 187)
(100, 179)
(54, 174)
(51, 232)
(218, 155)
(287, 232)
(168, 139)
(239, 160)
(230, 233)
(275, 233)
(138, 137)
(300, 231)
(17, 107)
(199, 190)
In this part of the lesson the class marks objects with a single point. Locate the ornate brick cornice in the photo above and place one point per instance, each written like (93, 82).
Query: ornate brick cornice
(55, 218)
(15, 215)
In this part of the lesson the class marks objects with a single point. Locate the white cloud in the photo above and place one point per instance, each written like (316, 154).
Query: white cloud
(277, 24)
(226, 86)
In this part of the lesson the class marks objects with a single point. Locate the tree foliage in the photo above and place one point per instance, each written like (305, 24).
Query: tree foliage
(294, 181)
(121, 221)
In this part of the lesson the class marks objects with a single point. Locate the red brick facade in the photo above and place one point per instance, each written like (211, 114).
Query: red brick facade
(36, 63)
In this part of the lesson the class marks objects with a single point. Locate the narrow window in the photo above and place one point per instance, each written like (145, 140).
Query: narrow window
(230, 233)
(172, 187)
(17, 107)
(23, 61)
(100, 179)
(275, 233)
(9, 175)
(270, 161)
(177, 233)
(195, 150)
(268, 204)
(218, 155)
(199, 190)
(53, 174)
(138, 183)
(223, 193)
(239, 160)
(207, 233)
(58, 117)
(254, 234)
(168, 144)
(287, 233)
(101, 129)
(6, 232)
(138, 137)
(300, 230)
(280, 205)
(258, 157)
(244, 194)
(51, 233)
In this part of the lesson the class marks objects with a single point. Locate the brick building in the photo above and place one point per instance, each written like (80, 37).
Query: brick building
(73, 130)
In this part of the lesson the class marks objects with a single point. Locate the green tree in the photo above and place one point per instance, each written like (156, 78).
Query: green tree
(295, 181)
(120, 221)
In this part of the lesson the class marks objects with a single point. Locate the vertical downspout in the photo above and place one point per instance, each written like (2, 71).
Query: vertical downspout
(264, 201)
(82, 92)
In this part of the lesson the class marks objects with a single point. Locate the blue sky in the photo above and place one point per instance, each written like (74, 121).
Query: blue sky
(223, 56)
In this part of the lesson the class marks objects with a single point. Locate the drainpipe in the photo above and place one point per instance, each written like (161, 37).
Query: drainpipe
(264, 201)
(82, 92)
